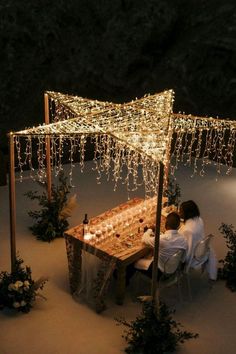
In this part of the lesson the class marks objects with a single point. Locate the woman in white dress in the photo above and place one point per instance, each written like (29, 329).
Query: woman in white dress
(193, 230)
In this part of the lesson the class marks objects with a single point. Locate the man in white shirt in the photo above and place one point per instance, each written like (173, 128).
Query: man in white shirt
(170, 242)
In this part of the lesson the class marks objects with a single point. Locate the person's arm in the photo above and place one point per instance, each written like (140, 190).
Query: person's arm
(148, 238)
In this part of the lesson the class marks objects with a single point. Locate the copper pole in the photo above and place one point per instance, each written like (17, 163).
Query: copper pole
(154, 285)
(12, 200)
(168, 153)
(48, 148)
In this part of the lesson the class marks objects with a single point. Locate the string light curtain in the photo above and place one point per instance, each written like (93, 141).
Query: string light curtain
(199, 142)
(127, 136)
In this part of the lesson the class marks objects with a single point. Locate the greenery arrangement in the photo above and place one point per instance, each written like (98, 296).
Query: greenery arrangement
(153, 332)
(228, 271)
(18, 290)
(172, 193)
(51, 220)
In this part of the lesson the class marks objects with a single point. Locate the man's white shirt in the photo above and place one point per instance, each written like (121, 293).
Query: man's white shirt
(170, 242)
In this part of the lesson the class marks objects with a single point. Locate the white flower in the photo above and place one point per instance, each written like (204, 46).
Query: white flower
(11, 287)
(19, 283)
(26, 285)
(23, 303)
(16, 304)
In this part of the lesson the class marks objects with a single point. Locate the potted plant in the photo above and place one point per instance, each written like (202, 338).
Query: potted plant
(172, 193)
(228, 270)
(154, 331)
(51, 219)
(18, 290)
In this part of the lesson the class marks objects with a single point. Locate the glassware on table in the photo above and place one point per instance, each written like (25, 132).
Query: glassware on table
(144, 210)
(118, 225)
(126, 222)
(93, 233)
(92, 230)
(141, 224)
(114, 219)
(119, 221)
(98, 235)
(109, 230)
(103, 231)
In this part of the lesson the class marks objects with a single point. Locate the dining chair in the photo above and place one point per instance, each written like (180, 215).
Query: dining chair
(200, 259)
(173, 271)
(172, 274)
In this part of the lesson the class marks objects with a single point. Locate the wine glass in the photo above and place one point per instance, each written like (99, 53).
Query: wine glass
(104, 231)
(140, 228)
(93, 235)
(98, 234)
(109, 229)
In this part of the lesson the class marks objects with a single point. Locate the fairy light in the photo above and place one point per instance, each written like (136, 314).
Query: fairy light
(96, 158)
(41, 156)
(65, 106)
(212, 140)
(71, 159)
(20, 162)
(28, 156)
(228, 158)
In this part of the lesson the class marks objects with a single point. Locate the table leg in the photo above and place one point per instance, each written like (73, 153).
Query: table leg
(120, 284)
(74, 255)
(100, 299)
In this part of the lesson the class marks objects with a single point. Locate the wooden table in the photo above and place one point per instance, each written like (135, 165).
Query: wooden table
(115, 253)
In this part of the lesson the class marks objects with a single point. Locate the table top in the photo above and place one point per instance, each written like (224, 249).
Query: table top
(125, 248)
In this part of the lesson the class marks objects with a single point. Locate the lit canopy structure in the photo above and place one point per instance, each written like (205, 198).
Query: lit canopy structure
(141, 125)
(142, 128)
(143, 132)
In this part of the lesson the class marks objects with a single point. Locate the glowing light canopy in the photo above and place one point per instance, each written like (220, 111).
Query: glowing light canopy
(125, 136)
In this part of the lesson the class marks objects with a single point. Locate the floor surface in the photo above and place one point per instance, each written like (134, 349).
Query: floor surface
(60, 325)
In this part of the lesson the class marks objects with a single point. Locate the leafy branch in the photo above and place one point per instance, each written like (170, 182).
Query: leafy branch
(153, 332)
(228, 271)
(51, 219)
(18, 290)
(173, 192)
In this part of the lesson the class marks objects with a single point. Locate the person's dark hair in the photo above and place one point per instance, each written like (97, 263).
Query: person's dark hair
(172, 221)
(189, 210)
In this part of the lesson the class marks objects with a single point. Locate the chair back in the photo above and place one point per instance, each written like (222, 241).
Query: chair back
(173, 262)
(202, 249)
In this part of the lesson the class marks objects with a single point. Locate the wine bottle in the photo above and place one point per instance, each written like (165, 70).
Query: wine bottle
(85, 225)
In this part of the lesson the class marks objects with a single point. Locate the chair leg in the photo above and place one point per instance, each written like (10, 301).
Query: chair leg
(176, 281)
(140, 282)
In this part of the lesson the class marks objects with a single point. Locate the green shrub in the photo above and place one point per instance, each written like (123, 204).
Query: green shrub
(17, 289)
(228, 271)
(173, 192)
(51, 219)
(154, 332)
